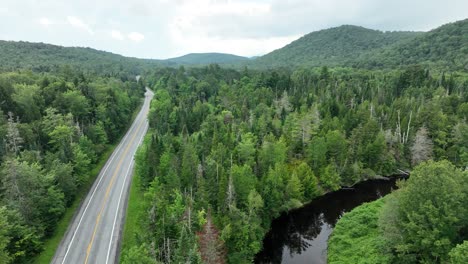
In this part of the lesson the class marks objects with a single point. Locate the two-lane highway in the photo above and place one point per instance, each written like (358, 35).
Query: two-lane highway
(94, 234)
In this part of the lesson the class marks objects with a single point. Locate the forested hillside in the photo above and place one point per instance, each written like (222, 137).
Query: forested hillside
(208, 58)
(229, 151)
(345, 46)
(40, 57)
(53, 130)
(337, 46)
(444, 47)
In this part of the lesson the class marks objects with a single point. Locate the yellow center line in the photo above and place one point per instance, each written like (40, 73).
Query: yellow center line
(98, 219)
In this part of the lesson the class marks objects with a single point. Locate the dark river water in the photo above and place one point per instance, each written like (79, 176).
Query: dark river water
(301, 235)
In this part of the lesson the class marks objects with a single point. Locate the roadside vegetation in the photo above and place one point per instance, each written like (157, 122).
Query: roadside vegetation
(56, 130)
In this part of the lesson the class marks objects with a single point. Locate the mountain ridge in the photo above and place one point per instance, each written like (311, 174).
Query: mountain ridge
(342, 46)
(332, 46)
(356, 46)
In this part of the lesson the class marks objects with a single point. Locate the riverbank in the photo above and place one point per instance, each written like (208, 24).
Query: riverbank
(357, 238)
(423, 222)
(300, 235)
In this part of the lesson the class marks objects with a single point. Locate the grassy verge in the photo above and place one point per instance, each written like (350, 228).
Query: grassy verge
(134, 208)
(357, 238)
(52, 243)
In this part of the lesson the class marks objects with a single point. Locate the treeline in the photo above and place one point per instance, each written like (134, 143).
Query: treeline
(53, 129)
(229, 151)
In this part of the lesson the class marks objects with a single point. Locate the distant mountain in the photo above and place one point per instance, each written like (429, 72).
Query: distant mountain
(208, 58)
(445, 46)
(47, 57)
(352, 46)
(333, 47)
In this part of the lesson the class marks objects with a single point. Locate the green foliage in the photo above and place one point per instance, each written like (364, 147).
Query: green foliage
(317, 152)
(308, 180)
(241, 146)
(137, 254)
(41, 57)
(272, 151)
(4, 238)
(244, 182)
(444, 46)
(354, 46)
(294, 191)
(429, 214)
(51, 243)
(330, 178)
(459, 254)
(52, 132)
(246, 146)
(356, 237)
(246, 149)
(334, 47)
(420, 223)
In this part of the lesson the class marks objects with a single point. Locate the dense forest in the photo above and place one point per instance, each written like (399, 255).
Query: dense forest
(230, 150)
(53, 130)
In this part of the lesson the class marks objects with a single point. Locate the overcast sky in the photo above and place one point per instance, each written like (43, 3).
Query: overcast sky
(169, 28)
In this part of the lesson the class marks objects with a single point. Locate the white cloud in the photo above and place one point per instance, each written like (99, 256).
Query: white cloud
(240, 46)
(78, 23)
(212, 8)
(136, 37)
(117, 35)
(45, 21)
(219, 18)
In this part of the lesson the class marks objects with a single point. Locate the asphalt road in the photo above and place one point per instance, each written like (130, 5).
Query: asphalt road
(94, 233)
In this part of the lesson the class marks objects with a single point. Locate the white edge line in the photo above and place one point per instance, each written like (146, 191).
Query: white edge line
(120, 197)
(95, 188)
(117, 211)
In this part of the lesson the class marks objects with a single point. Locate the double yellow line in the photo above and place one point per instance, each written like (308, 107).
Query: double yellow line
(98, 219)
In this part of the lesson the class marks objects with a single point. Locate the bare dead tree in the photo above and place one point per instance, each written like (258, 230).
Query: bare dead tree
(421, 149)
(13, 137)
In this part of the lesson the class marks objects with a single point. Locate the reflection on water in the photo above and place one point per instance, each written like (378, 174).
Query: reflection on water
(301, 236)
